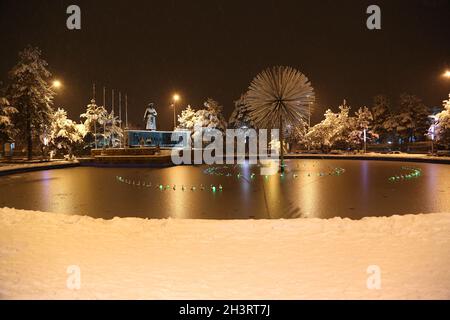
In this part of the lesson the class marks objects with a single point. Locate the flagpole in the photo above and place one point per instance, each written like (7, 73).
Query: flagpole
(112, 118)
(126, 111)
(95, 122)
(126, 120)
(104, 120)
(120, 115)
(112, 102)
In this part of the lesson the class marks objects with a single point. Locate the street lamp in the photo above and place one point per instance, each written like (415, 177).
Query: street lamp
(432, 131)
(56, 84)
(309, 122)
(446, 74)
(365, 140)
(175, 99)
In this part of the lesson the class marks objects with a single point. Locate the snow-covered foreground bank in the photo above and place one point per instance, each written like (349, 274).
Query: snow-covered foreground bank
(198, 259)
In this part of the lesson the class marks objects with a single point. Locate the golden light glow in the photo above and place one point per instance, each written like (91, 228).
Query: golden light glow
(447, 74)
(57, 84)
(176, 97)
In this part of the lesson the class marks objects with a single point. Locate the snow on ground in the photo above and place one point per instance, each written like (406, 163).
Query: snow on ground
(201, 259)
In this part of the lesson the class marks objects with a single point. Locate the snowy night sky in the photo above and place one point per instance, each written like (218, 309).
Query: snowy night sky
(201, 49)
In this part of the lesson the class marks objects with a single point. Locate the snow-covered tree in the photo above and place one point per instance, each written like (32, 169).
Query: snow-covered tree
(359, 124)
(381, 111)
(187, 119)
(31, 93)
(410, 123)
(413, 118)
(320, 135)
(341, 130)
(240, 118)
(297, 134)
(211, 117)
(442, 125)
(403, 125)
(112, 132)
(7, 130)
(332, 131)
(95, 117)
(65, 134)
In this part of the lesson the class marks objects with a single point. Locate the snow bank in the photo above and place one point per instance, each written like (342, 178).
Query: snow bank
(200, 259)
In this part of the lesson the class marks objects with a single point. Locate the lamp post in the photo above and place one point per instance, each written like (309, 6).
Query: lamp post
(95, 118)
(365, 140)
(56, 84)
(309, 123)
(175, 99)
(432, 131)
(446, 74)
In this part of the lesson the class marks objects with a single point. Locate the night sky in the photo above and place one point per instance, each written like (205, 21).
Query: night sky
(200, 49)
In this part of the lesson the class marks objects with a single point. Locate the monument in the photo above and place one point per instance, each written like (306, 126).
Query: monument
(150, 117)
(150, 137)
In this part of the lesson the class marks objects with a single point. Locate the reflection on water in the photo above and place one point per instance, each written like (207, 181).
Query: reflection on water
(310, 188)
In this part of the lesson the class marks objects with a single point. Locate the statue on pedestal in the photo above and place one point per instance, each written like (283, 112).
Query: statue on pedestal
(150, 117)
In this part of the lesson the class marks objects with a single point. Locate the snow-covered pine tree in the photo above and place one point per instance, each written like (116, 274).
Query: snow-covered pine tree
(413, 117)
(95, 116)
(381, 111)
(7, 130)
(113, 133)
(240, 118)
(187, 119)
(31, 93)
(64, 133)
(297, 135)
(362, 121)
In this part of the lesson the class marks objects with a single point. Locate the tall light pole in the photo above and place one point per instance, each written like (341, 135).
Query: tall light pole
(175, 99)
(56, 84)
(126, 111)
(309, 124)
(365, 140)
(432, 132)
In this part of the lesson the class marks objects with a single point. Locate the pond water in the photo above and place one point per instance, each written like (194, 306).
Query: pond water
(310, 188)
